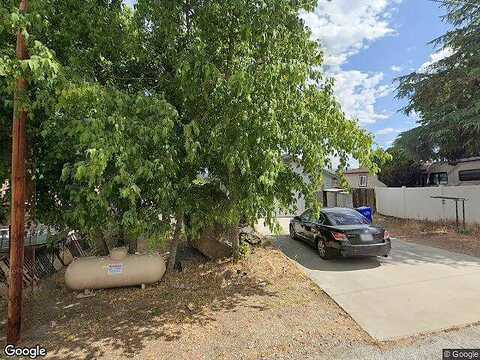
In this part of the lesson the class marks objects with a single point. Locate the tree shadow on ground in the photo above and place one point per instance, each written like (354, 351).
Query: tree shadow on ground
(308, 257)
(123, 320)
(402, 253)
(415, 254)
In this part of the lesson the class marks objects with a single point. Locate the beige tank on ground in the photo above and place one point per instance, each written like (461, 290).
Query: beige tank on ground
(117, 270)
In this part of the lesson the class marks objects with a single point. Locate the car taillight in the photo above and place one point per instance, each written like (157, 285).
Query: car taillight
(339, 236)
(386, 235)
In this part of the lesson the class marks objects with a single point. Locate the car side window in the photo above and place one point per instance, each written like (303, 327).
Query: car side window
(306, 215)
(322, 219)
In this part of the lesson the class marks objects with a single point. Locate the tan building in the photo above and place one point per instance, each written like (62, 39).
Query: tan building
(361, 178)
(454, 173)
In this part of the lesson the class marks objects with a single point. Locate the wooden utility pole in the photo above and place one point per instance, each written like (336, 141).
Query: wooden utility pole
(17, 220)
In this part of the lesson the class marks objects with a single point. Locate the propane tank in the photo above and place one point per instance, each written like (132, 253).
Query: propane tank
(117, 270)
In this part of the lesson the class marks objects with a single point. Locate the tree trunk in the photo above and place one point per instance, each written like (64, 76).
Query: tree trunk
(174, 244)
(132, 245)
(187, 226)
(236, 243)
(101, 246)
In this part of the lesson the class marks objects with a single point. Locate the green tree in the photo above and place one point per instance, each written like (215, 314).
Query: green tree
(400, 169)
(446, 95)
(99, 143)
(40, 69)
(246, 80)
(182, 109)
(117, 164)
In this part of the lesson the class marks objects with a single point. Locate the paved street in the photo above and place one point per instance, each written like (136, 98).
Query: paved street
(418, 289)
(425, 348)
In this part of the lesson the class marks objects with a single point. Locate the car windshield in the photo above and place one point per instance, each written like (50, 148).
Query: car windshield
(346, 218)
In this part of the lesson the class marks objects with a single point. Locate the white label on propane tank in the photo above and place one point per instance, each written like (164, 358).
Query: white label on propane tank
(114, 269)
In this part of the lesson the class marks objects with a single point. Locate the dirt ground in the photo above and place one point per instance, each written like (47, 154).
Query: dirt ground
(443, 236)
(258, 308)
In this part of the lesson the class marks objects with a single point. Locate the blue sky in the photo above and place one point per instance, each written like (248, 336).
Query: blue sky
(368, 43)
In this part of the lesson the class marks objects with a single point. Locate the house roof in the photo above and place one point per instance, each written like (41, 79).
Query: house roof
(373, 180)
(474, 158)
(432, 165)
(357, 171)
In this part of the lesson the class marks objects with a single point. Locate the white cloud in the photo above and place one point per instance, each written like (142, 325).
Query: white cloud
(435, 57)
(344, 28)
(415, 116)
(352, 163)
(130, 3)
(358, 93)
(396, 68)
(387, 131)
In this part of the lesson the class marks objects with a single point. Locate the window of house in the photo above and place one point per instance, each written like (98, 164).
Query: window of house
(362, 181)
(469, 175)
(440, 178)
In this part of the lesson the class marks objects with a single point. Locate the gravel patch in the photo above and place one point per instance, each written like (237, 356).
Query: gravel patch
(258, 307)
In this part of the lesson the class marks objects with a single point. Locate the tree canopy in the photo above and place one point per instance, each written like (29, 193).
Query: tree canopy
(446, 95)
(179, 107)
(400, 169)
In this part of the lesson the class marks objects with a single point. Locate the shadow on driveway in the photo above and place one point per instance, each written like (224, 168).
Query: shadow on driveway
(307, 256)
(422, 289)
(402, 253)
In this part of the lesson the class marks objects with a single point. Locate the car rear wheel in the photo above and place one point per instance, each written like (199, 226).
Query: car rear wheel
(325, 252)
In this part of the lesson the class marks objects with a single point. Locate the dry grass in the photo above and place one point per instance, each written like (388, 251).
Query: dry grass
(414, 227)
(257, 307)
(436, 234)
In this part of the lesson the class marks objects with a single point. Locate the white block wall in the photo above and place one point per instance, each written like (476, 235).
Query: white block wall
(416, 203)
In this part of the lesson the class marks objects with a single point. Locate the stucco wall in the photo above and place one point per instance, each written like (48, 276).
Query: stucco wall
(453, 170)
(416, 203)
(372, 180)
(329, 181)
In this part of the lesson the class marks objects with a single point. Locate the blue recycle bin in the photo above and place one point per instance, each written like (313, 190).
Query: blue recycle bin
(366, 211)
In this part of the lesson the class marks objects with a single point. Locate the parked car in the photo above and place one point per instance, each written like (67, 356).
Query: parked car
(340, 232)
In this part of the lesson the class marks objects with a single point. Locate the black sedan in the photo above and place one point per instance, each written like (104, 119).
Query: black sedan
(340, 232)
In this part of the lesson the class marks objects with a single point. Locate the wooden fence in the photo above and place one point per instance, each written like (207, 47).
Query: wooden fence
(39, 259)
(364, 197)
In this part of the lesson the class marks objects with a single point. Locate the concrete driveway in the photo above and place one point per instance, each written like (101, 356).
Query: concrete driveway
(418, 289)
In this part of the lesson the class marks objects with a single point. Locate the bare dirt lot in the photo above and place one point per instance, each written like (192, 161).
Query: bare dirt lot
(261, 307)
(443, 236)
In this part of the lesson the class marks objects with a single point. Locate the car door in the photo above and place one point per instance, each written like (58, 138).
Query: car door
(300, 225)
(323, 220)
(309, 227)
